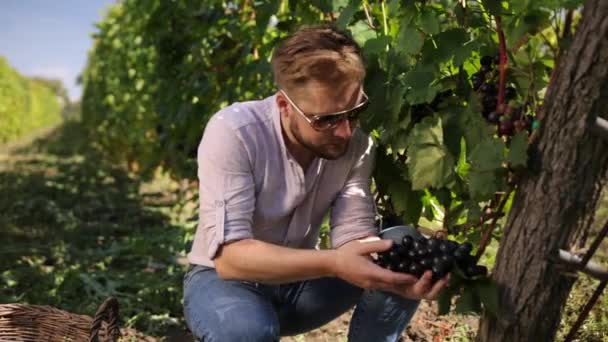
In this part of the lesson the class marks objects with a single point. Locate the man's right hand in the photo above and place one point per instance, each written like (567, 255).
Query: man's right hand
(354, 264)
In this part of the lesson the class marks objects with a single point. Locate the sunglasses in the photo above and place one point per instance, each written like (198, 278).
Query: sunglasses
(329, 121)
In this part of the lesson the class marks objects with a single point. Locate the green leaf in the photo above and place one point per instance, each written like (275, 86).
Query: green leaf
(266, 10)
(393, 6)
(454, 43)
(420, 77)
(487, 291)
(430, 164)
(518, 152)
(376, 45)
(493, 6)
(338, 5)
(488, 155)
(397, 100)
(419, 81)
(429, 21)
(362, 32)
(474, 127)
(386, 172)
(376, 86)
(462, 167)
(347, 13)
(454, 214)
(483, 184)
(323, 5)
(468, 302)
(407, 202)
(473, 211)
(409, 40)
(444, 302)
(444, 196)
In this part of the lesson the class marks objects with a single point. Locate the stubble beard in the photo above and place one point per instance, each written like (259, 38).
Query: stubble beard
(327, 151)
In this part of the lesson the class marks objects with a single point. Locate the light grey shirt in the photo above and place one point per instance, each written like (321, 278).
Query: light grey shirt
(251, 187)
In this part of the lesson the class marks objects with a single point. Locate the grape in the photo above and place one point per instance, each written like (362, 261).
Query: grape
(394, 256)
(510, 93)
(412, 254)
(459, 254)
(478, 78)
(433, 244)
(419, 244)
(494, 117)
(447, 259)
(505, 128)
(444, 247)
(515, 113)
(475, 270)
(407, 241)
(484, 82)
(417, 255)
(467, 247)
(415, 269)
(489, 103)
(486, 60)
(403, 266)
(488, 89)
(529, 119)
(427, 264)
(422, 252)
(497, 59)
(520, 125)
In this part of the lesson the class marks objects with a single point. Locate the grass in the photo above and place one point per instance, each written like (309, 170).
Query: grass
(76, 230)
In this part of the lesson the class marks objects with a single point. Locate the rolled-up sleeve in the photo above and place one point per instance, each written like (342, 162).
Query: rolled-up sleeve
(353, 210)
(226, 186)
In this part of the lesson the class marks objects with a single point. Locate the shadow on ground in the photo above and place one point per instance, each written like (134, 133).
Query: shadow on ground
(75, 230)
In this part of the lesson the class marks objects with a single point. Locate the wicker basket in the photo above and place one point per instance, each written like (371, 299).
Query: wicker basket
(25, 323)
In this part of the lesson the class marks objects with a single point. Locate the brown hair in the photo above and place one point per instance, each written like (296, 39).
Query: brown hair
(321, 53)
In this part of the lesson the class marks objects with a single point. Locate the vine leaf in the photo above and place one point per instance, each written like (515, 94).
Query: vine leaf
(409, 40)
(488, 293)
(430, 163)
(488, 155)
(347, 14)
(406, 201)
(468, 302)
(518, 155)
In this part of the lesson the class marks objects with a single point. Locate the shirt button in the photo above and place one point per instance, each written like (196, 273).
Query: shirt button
(219, 204)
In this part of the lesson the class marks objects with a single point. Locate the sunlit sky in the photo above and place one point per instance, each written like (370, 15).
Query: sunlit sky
(49, 38)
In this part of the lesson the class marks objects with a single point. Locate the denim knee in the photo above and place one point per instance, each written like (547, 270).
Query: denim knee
(217, 310)
(249, 329)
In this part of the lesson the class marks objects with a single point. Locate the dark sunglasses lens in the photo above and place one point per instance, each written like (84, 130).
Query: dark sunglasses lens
(329, 121)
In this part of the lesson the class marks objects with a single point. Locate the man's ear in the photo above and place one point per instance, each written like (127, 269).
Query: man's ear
(282, 103)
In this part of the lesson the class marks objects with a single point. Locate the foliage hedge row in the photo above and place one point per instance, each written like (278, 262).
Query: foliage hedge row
(25, 104)
(160, 69)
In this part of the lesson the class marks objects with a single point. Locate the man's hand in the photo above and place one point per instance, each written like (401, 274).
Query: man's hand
(423, 288)
(354, 264)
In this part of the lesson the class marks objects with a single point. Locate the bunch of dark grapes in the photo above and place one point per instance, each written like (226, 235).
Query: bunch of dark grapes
(508, 118)
(417, 255)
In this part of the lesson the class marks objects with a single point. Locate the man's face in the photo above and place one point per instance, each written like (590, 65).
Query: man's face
(321, 100)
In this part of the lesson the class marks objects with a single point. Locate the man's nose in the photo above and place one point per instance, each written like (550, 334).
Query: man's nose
(344, 129)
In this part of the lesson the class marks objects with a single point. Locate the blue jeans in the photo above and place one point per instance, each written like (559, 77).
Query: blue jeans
(218, 310)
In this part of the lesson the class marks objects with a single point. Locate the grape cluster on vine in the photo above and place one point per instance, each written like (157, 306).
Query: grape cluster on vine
(417, 255)
(509, 117)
